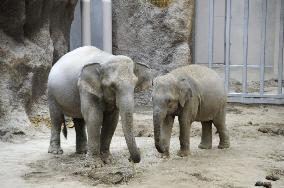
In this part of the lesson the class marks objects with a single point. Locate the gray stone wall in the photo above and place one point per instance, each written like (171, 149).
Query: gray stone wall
(34, 34)
(158, 37)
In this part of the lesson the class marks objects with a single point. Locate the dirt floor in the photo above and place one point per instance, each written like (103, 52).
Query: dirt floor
(257, 150)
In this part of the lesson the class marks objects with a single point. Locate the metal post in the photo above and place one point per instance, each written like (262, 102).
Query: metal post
(97, 23)
(76, 30)
(227, 43)
(194, 27)
(211, 32)
(86, 22)
(280, 55)
(263, 42)
(107, 26)
(245, 45)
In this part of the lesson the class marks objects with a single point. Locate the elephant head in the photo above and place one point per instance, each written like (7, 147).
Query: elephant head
(115, 81)
(170, 94)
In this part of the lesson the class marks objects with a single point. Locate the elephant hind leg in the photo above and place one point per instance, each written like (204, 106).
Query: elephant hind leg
(206, 136)
(81, 137)
(220, 124)
(110, 121)
(57, 119)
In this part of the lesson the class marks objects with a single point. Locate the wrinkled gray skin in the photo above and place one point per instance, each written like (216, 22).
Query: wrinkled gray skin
(94, 87)
(193, 93)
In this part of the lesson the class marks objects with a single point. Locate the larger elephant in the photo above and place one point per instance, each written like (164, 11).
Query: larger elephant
(193, 93)
(94, 87)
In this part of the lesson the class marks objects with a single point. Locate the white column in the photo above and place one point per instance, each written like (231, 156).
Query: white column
(107, 26)
(277, 36)
(86, 22)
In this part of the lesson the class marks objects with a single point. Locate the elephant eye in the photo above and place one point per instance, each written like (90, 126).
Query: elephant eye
(112, 87)
(171, 102)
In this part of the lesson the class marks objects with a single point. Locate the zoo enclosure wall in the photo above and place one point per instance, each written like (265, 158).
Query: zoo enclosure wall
(241, 39)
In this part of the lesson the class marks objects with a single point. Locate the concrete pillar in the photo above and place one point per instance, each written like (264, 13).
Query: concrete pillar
(277, 34)
(86, 20)
(107, 26)
(97, 23)
(93, 26)
(76, 30)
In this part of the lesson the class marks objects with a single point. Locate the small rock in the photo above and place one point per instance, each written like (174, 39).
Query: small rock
(140, 134)
(263, 130)
(117, 177)
(267, 184)
(86, 165)
(75, 173)
(272, 177)
(264, 184)
(250, 123)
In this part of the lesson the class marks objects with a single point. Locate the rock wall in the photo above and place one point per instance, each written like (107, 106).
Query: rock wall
(34, 34)
(159, 37)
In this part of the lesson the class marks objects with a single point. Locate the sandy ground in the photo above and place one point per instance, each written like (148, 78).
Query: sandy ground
(257, 150)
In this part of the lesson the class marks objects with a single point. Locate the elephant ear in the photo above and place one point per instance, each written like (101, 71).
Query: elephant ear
(89, 79)
(185, 91)
(145, 76)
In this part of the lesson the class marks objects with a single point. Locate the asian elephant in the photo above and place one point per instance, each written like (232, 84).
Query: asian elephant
(193, 93)
(94, 87)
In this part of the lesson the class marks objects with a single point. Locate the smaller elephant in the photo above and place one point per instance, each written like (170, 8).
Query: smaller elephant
(193, 93)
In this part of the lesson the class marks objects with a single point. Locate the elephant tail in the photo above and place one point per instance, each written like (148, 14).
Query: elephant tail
(64, 130)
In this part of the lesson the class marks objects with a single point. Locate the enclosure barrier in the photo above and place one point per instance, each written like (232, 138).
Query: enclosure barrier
(244, 96)
(107, 26)
(86, 20)
(94, 20)
(97, 30)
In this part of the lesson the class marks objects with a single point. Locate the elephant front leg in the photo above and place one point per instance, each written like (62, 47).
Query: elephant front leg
(92, 112)
(184, 136)
(166, 131)
(206, 135)
(110, 121)
(81, 137)
(57, 118)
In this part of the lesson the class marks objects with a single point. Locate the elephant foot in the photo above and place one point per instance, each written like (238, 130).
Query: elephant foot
(94, 161)
(224, 145)
(205, 146)
(55, 149)
(81, 149)
(106, 157)
(165, 155)
(183, 153)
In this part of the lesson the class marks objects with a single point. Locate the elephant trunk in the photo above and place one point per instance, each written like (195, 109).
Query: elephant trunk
(126, 107)
(157, 121)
